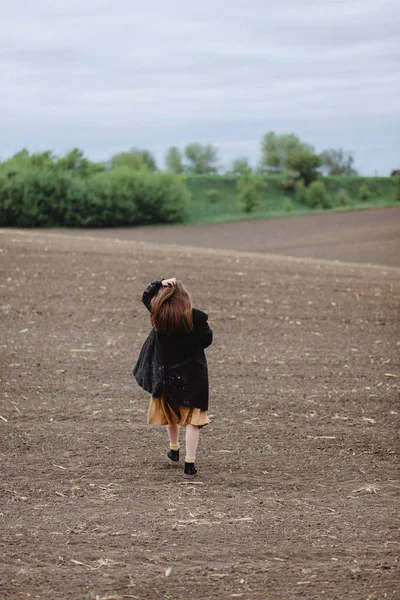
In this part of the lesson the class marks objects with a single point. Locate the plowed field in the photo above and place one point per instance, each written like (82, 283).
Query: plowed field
(298, 483)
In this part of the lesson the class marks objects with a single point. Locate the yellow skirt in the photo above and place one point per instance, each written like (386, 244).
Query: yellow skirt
(161, 413)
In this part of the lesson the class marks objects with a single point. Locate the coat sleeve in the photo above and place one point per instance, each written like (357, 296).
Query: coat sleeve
(150, 291)
(206, 336)
(204, 331)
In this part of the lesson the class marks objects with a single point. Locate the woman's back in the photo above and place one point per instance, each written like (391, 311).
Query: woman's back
(182, 346)
(174, 364)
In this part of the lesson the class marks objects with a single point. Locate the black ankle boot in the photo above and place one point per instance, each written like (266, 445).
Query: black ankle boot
(173, 457)
(189, 471)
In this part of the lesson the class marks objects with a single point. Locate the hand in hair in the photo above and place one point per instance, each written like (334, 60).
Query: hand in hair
(169, 282)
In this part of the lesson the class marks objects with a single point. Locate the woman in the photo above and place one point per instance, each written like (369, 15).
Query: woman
(172, 366)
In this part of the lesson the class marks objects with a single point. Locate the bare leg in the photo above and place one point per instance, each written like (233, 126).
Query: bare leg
(192, 439)
(173, 433)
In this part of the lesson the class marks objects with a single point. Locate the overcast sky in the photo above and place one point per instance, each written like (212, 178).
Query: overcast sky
(109, 75)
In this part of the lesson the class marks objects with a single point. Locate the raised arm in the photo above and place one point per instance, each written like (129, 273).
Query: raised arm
(153, 288)
(150, 291)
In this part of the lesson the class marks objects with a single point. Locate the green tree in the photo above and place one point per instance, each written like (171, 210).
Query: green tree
(272, 158)
(146, 156)
(398, 188)
(249, 188)
(72, 161)
(173, 160)
(203, 158)
(20, 158)
(42, 160)
(276, 148)
(338, 162)
(304, 163)
(136, 159)
(240, 165)
(129, 160)
(75, 161)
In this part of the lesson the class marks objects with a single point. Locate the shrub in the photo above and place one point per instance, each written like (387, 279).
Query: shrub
(34, 197)
(159, 198)
(317, 195)
(249, 189)
(212, 195)
(287, 183)
(364, 193)
(287, 205)
(398, 189)
(342, 197)
(301, 193)
(11, 195)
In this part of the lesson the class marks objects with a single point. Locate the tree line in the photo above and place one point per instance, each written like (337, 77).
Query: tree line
(42, 189)
(280, 154)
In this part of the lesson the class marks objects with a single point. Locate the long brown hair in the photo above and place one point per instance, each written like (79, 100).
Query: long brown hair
(171, 310)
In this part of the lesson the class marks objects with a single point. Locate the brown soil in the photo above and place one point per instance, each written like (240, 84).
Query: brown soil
(367, 236)
(297, 492)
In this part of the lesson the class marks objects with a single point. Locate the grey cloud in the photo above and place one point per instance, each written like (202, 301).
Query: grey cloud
(106, 76)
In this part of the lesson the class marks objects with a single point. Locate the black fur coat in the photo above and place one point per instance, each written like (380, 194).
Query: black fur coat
(175, 366)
